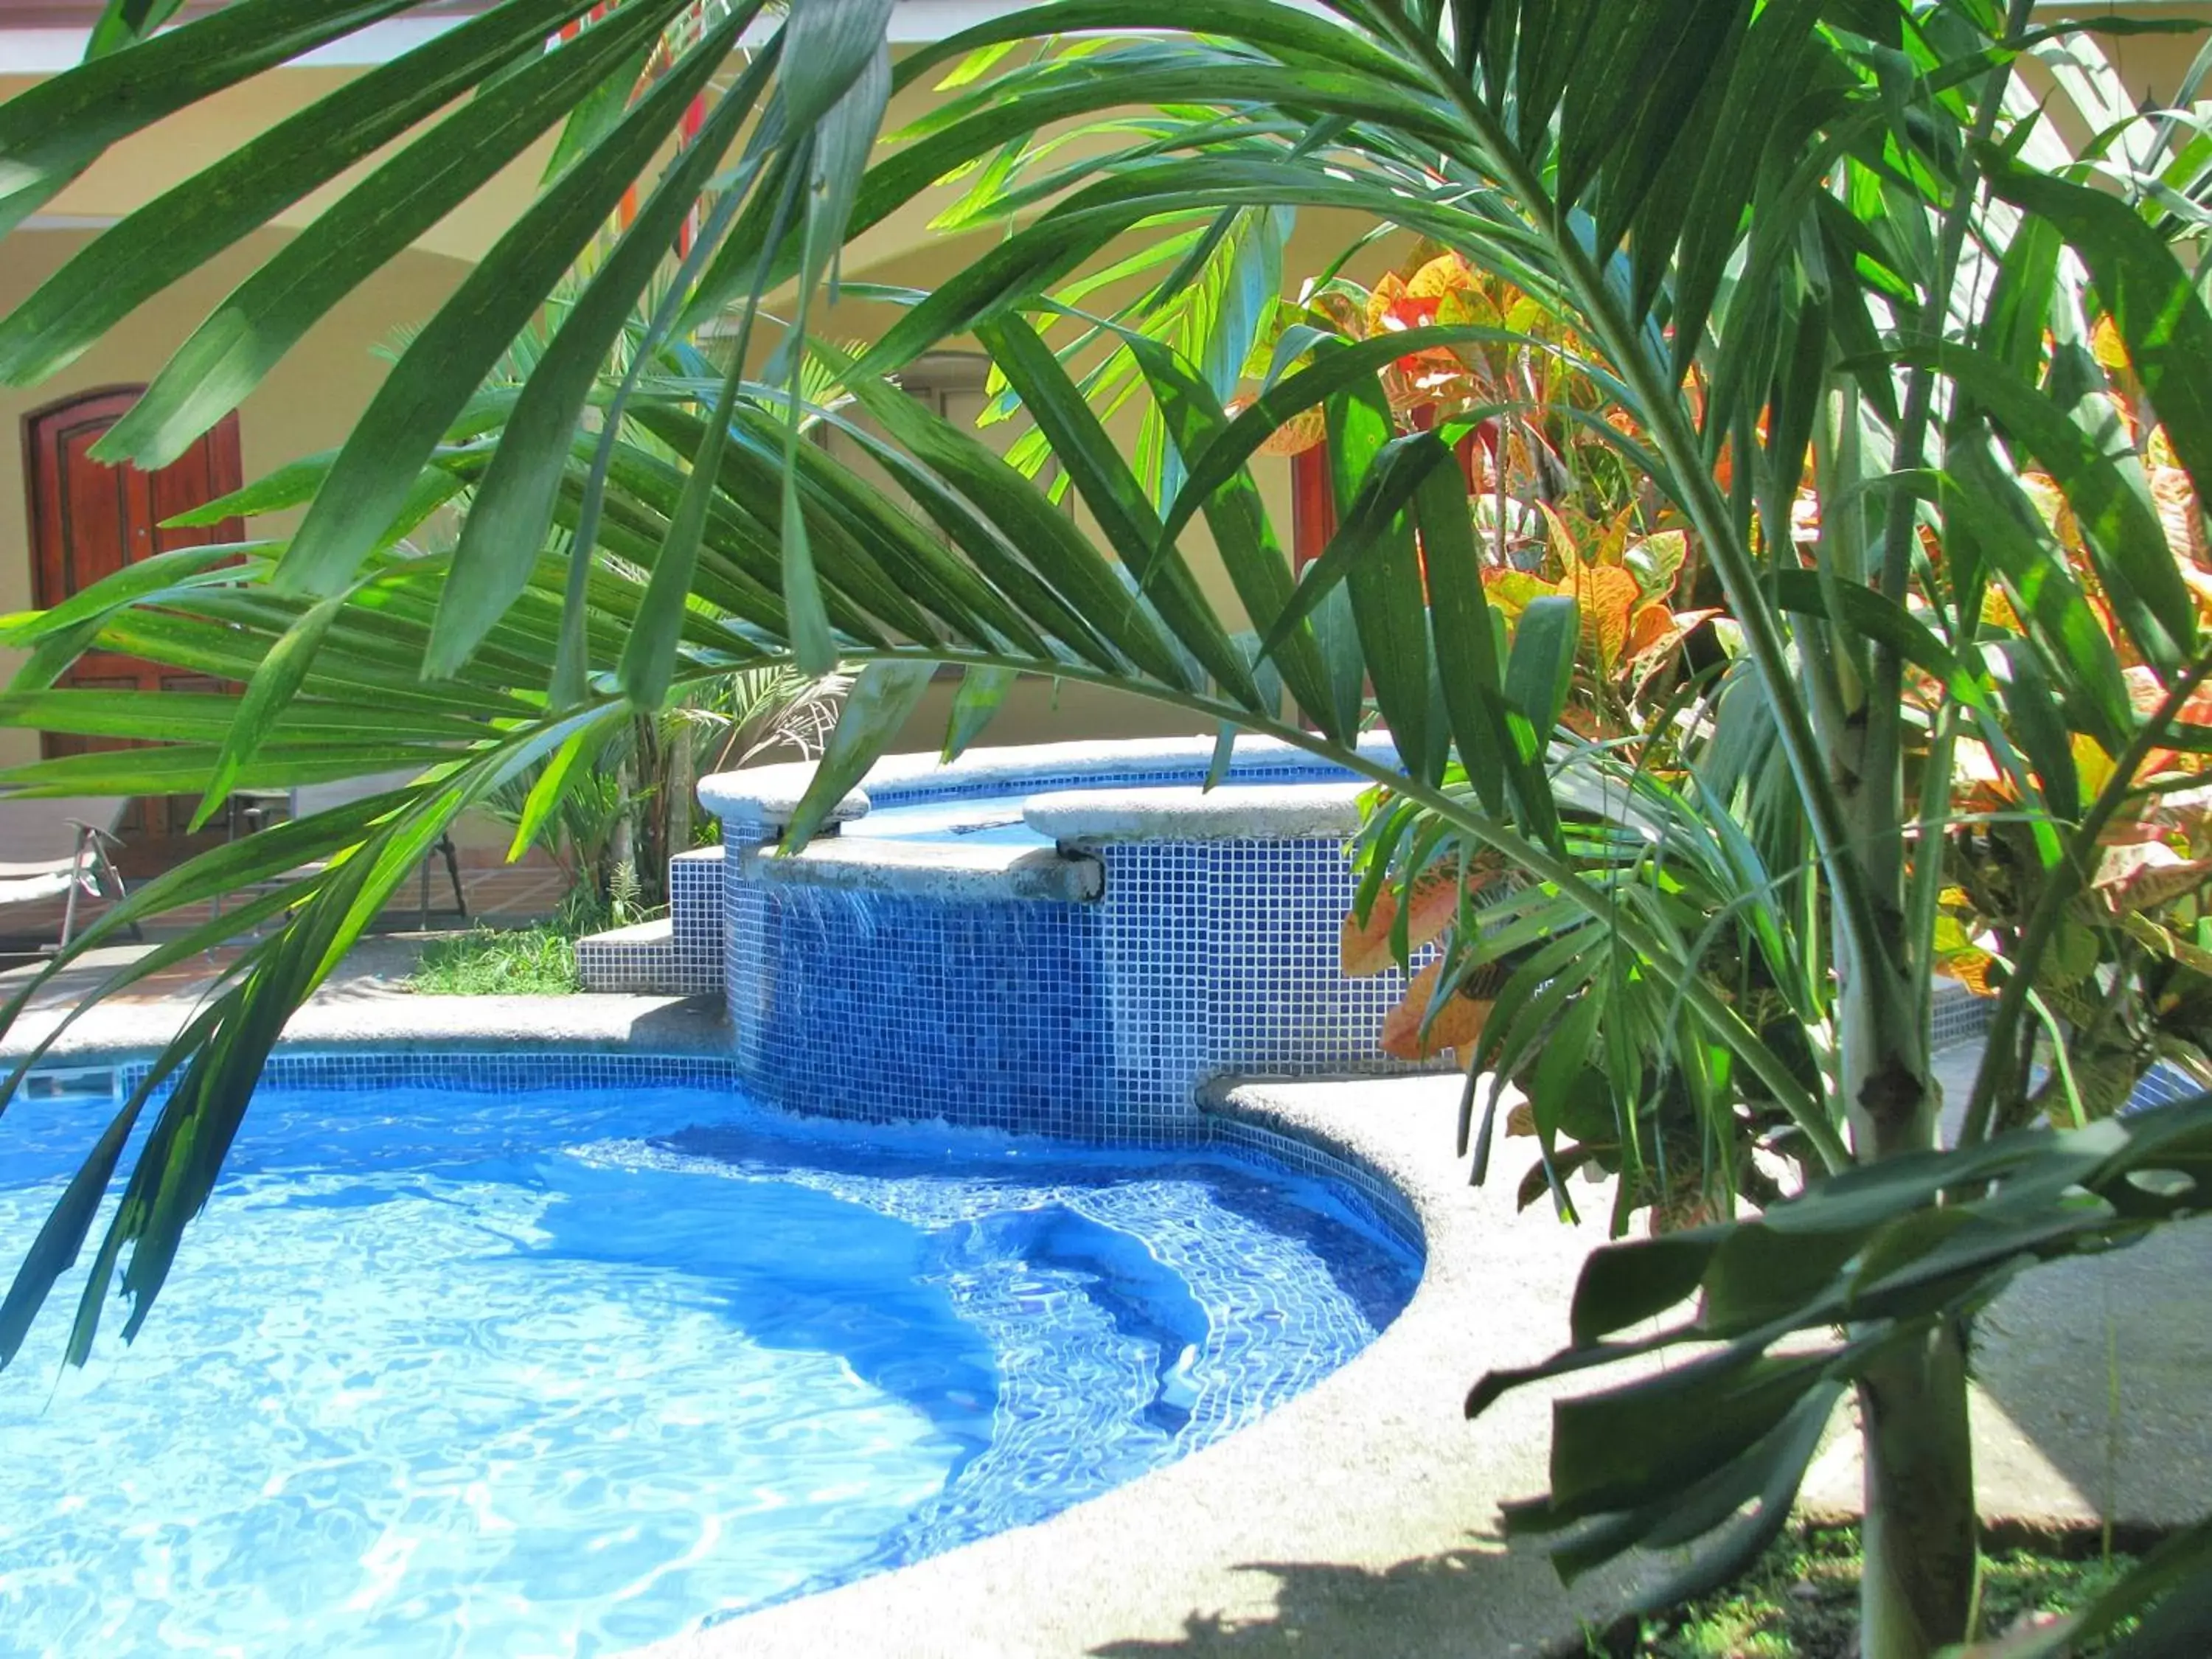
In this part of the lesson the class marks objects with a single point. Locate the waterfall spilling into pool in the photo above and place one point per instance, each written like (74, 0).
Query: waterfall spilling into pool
(1067, 940)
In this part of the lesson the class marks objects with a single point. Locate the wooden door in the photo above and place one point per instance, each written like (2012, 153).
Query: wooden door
(89, 520)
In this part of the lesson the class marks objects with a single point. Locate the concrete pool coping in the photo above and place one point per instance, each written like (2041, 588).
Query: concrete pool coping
(955, 868)
(1232, 812)
(762, 798)
(113, 1033)
(951, 872)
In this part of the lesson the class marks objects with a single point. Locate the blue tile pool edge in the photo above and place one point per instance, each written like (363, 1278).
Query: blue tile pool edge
(1364, 1188)
(1370, 1191)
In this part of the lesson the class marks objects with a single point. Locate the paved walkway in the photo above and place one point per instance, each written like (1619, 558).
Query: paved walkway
(498, 895)
(2092, 1390)
(501, 894)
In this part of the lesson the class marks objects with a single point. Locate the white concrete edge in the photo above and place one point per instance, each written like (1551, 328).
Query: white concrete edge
(757, 804)
(767, 795)
(1257, 811)
(659, 931)
(933, 870)
(118, 1033)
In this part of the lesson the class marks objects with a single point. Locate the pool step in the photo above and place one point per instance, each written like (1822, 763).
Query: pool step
(646, 960)
(680, 955)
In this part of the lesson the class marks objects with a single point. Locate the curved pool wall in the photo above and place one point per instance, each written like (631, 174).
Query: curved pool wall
(598, 1277)
(1079, 980)
(500, 1062)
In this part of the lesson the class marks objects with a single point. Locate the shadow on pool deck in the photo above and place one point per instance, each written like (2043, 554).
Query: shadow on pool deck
(2093, 1384)
(1420, 1607)
(2097, 1377)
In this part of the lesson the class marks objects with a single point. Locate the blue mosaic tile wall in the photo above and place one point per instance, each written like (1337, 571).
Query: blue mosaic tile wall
(681, 958)
(1366, 1191)
(1094, 1020)
(1280, 1001)
(1222, 956)
(497, 1071)
(879, 1006)
(1957, 1015)
(2162, 1085)
(695, 911)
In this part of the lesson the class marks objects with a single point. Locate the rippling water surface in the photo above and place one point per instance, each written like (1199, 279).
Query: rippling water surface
(565, 1372)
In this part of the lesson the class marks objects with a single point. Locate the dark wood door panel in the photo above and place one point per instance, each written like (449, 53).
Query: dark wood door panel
(89, 520)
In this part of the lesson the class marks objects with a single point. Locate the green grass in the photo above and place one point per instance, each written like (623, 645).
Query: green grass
(1801, 1601)
(539, 960)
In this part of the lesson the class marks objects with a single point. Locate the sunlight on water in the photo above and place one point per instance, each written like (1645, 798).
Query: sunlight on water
(562, 1373)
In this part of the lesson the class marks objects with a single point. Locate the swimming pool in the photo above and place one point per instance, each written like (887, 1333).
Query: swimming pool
(565, 1369)
(990, 821)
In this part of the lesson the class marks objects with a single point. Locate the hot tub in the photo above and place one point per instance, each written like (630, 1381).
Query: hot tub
(1065, 938)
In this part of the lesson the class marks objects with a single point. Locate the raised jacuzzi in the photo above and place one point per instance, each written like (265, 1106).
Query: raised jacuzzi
(1065, 938)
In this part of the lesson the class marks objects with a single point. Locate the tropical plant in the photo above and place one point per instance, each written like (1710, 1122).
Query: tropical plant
(633, 811)
(2127, 982)
(618, 822)
(1823, 233)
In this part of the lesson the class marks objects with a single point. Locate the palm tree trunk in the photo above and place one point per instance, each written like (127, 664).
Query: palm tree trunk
(1919, 1540)
(1920, 1536)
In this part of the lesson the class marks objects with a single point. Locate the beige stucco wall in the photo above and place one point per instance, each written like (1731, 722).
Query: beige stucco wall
(1042, 710)
(311, 399)
(142, 167)
(308, 403)
(2150, 66)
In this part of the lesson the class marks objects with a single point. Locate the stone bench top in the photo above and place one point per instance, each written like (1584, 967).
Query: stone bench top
(1232, 812)
(932, 869)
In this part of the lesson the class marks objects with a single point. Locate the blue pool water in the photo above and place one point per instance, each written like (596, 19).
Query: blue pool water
(996, 819)
(570, 1372)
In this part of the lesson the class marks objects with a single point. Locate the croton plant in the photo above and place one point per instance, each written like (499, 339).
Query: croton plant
(2129, 981)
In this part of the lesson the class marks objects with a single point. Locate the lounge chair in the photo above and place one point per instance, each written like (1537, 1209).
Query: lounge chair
(306, 800)
(56, 847)
(320, 797)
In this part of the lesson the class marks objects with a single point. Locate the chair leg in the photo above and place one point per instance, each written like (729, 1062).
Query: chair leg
(423, 904)
(454, 874)
(108, 873)
(77, 885)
